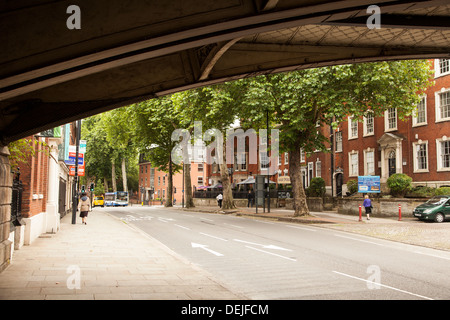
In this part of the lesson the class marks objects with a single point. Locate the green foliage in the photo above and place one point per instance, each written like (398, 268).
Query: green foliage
(22, 150)
(316, 188)
(352, 186)
(399, 184)
(442, 191)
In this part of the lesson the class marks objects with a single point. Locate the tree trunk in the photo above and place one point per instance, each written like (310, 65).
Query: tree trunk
(105, 184)
(124, 175)
(227, 202)
(113, 176)
(189, 201)
(169, 185)
(295, 173)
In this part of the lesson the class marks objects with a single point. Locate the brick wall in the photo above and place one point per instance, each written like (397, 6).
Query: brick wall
(34, 176)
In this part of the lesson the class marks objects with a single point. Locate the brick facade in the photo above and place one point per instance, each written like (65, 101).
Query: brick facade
(159, 183)
(34, 176)
(381, 151)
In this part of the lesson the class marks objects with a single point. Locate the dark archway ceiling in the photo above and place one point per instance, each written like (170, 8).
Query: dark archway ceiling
(129, 51)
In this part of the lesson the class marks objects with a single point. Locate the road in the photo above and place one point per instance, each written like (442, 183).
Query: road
(276, 260)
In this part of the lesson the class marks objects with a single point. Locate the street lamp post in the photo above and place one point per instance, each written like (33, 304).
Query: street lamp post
(75, 182)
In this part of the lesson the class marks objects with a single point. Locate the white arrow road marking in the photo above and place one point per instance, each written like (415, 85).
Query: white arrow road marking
(274, 254)
(204, 247)
(263, 245)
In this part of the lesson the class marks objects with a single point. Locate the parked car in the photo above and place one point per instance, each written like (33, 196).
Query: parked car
(436, 209)
(99, 201)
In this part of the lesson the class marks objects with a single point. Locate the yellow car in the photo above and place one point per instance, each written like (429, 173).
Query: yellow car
(99, 201)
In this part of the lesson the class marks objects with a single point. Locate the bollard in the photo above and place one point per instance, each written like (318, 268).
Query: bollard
(360, 219)
(399, 212)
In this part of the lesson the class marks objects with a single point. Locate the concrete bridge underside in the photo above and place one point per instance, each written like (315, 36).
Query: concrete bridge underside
(129, 51)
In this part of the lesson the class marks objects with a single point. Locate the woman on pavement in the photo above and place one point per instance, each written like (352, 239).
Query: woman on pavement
(84, 206)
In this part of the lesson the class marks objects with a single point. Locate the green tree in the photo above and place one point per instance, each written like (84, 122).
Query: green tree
(155, 120)
(297, 101)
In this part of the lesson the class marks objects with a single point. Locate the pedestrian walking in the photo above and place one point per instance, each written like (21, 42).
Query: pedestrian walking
(368, 206)
(84, 206)
(250, 198)
(219, 199)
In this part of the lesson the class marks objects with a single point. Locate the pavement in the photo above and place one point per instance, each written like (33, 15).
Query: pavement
(110, 260)
(104, 260)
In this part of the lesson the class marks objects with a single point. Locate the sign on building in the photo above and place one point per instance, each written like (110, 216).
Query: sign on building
(369, 184)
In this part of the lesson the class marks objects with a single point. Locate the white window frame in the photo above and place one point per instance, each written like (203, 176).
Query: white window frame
(366, 162)
(198, 180)
(318, 168)
(438, 104)
(437, 68)
(263, 155)
(286, 158)
(416, 112)
(302, 155)
(351, 134)
(416, 159)
(338, 142)
(386, 120)
(439, 154)
(366, 133)
(350, 166)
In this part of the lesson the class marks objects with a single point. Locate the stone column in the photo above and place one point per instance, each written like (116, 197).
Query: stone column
(5, 207)
(53, 216)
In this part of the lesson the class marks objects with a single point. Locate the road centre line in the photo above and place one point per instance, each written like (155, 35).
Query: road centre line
(383, 285)
(211, 236)
(182, 227)
(201, 218)
(234, 225)
(274, 254)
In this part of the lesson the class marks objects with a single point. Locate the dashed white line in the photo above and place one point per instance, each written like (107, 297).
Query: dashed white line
(383, 285)
(211, 236)
(274, 254)
(233, 225)
(182, 227)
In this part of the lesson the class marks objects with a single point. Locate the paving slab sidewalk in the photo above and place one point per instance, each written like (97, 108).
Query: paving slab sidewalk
(104, 260)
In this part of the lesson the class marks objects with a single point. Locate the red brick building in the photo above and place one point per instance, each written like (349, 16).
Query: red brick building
(418, 146)
(153, 183)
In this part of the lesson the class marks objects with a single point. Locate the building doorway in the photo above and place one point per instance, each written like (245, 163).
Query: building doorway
(392, 160)
(339, 183)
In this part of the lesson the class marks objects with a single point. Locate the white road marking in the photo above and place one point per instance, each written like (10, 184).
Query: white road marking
(206, 219)
(234, 226)
(204, 247)
(361, 240)
(263, 245)
(208, 235)
(274, 254)
(182, 227)
(383, 285)
(432, 255)
(301, 228)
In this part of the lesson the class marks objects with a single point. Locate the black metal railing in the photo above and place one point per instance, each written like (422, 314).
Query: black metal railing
(16, 201)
